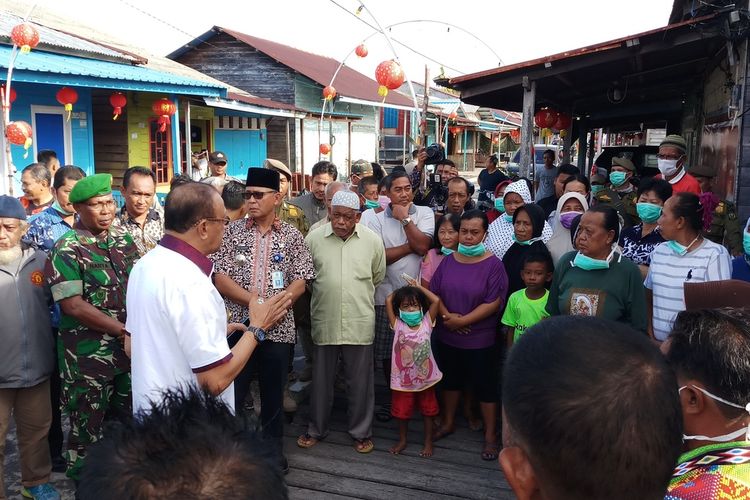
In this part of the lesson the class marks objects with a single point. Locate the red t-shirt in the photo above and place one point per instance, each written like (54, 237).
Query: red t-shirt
(688, 184)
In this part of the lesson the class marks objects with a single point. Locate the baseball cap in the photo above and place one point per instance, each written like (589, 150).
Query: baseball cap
(361, 167)
(217, 157)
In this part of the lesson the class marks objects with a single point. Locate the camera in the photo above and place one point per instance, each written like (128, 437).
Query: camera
(435, 154)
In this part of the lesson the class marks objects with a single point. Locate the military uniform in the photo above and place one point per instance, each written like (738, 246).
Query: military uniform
(293, 215)
(609, 197)
(94, 368)
(629, 201)
(725, 228)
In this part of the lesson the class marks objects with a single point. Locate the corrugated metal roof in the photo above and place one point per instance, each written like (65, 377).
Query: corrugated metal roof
(320, 69)
(39, 66)
(50, 38)
(259, 101)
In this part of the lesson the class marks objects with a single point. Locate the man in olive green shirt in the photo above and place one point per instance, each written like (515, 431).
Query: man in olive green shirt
(349, 260)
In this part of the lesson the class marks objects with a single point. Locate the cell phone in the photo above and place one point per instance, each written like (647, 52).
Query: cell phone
(236, 335)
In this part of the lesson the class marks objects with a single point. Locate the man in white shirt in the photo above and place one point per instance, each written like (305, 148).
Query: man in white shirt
(176, 318)
(406, 230)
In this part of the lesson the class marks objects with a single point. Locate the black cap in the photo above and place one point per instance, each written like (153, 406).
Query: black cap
(263, 177)
(217, 157)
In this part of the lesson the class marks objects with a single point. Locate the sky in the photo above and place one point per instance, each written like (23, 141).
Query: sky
(482, 31)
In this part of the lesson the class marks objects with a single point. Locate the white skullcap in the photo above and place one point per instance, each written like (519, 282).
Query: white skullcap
(346, 199)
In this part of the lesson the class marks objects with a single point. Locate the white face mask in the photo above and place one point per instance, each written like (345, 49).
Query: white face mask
(745, 431)
(667, 167)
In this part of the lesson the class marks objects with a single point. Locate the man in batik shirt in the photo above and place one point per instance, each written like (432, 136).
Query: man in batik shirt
(88, 271)
(139, 216)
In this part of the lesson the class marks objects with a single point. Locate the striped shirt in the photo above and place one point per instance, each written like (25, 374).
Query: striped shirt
(669, 272)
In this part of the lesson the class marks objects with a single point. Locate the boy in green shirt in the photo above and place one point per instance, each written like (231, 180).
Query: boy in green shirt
(526, 307)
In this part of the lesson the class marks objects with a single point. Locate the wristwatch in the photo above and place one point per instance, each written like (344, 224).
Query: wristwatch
(405, 222)
(259, 333)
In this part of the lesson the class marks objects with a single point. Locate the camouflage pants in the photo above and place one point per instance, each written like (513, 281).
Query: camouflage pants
(88, 402)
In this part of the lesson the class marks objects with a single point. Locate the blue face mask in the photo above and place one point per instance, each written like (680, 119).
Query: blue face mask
(371, 204)
(500, 205)
(648, 212)
(596, 188)
(525, 243)
(56, 205)
(617, 178)
(472, 250)
(746, 242)
(680, 249)
(507, 217)
(446, 251)
(590, 264)
(411, 318)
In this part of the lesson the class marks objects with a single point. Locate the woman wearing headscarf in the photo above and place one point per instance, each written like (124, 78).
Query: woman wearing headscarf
(499, 208)
(741, 264)
(528, 223)
(569, 206)
(500, 234)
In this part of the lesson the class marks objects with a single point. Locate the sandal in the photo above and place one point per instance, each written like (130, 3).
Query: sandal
(383, 414)
(363, 445)
(306, 441)
(490, 451)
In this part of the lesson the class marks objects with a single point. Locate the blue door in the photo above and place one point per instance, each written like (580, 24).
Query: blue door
(244, 148)
(50, 134)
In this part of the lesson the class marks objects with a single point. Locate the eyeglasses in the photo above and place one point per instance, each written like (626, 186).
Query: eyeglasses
(225, 220)
(258, 195)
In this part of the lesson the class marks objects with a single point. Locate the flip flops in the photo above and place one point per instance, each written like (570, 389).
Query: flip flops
(306, 441)
(363, 445)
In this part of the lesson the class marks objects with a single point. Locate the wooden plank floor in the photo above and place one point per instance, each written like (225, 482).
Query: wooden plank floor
(332, 469)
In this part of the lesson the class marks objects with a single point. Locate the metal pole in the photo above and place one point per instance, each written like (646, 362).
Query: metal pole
(526, 166)
(188, 141)
(288, 145)
(463, 146)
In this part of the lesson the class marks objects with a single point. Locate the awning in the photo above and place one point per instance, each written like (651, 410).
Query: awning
(377, 104)
(56, 69)
(234, 105)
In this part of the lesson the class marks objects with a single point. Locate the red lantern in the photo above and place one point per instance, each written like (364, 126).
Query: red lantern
(67, 97)
(20, 133)
(454, 130)
(563, 121)
(12, 96)
(389, 74)
(545, 118)
(329, 92)
(25, 36)
(325, 149)
(361, 50)
(515, 135)
(453, 115)
(164, 108)
(117, 101)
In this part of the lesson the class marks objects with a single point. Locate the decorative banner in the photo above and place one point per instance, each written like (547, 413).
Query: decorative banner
(67, 97)
(164, 109)
(25, 36)
(20, 134)
(117, 101)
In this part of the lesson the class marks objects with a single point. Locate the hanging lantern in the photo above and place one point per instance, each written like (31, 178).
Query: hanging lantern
(117, 101)
(382, 91)
(164, 109)
(11, 97)
(453, 115)
(325, 149)
(563, 121)
(389, 74)
(20, 134)
(329, 92)
(67, 97)
(515, 135)
(454, 130)
(545, 118)
(25, 36)
(361, 50)
(563, 133)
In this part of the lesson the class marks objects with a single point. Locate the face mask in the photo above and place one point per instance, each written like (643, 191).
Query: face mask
(591, 264)
(679, 249)
(411, 318)
(597, 188)
(446, 251)
(471, 250)
(500, 205)
(667, 167)
(371, 204)
(567, 218)
(56, 205)
(507, 217)
(617, 178)
(746, 242)
(648, 212)
(525, 243)
(724, 437)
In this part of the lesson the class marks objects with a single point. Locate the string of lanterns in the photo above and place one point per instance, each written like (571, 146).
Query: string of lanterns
(548, 118)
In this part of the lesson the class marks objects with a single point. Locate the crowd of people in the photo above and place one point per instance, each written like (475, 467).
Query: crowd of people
(555, 304)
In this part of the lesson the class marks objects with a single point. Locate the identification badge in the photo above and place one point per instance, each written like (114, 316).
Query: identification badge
(277, 280)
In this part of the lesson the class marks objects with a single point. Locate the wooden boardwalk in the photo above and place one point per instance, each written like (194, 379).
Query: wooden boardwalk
(332, 469)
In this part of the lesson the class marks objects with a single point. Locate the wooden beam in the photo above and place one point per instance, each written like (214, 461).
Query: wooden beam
(527, 127)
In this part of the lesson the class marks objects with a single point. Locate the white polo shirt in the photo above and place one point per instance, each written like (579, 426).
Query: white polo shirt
(392, 233)
(177, 321)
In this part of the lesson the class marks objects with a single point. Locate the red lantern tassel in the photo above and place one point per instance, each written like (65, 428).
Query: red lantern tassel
(118, 112)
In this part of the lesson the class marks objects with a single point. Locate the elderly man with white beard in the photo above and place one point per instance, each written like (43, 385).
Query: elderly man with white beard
(26, 361)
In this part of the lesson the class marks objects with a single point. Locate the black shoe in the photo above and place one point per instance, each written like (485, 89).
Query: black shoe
(284, 465)
(58, 464)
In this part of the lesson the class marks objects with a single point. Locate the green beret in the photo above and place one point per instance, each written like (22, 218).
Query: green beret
(675, 141)
(88, 187)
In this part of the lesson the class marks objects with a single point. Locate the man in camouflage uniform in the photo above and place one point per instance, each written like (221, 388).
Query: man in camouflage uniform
(286, 212)
(725, 226)
(620, 175)
(88, 271)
